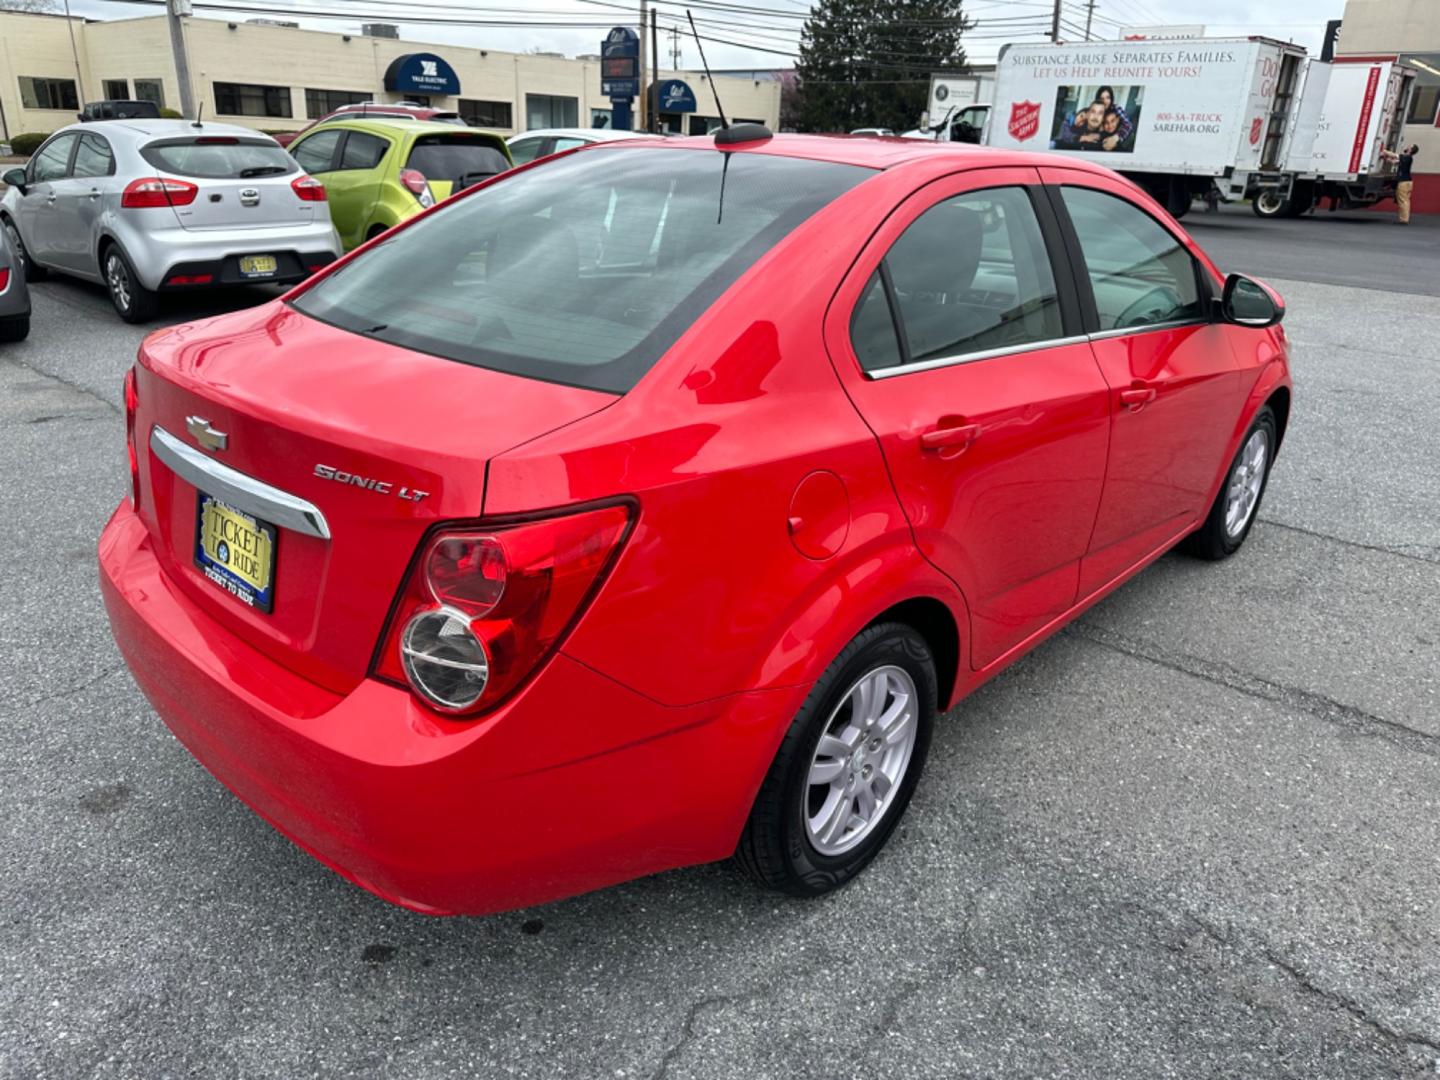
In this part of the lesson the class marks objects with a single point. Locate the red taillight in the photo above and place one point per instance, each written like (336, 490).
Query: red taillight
(4, 278)
(415, 180)
(484, 607)
(154, 192)
(308, 188)
(217, 140)
(190, 279)
(132, 402)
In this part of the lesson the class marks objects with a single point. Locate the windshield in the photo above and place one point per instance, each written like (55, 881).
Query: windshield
(446, 157)
(582, 271)
(219, 157)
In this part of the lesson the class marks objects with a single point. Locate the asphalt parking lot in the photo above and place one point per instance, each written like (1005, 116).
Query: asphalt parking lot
(1198, 834)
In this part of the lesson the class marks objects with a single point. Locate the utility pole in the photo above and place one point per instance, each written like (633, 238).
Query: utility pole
(1055, 23)
(674, 48)
(655, 63)
(644, 124)
(1089, 17)
(75, 53)
(174, 9)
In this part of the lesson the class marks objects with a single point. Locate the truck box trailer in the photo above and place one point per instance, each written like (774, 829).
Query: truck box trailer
(1174, 116)
(1350, 114)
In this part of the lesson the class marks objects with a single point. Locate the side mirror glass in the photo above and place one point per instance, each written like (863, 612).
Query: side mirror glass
(1250, 303)
(15, 178)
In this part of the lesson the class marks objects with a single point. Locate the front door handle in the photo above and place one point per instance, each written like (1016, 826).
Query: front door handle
(94, 193)
(50, 199)
(1137, 396)
(956, 437)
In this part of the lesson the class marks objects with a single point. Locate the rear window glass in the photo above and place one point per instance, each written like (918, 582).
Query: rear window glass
(218, 158)
(581, 272)
(442, 157)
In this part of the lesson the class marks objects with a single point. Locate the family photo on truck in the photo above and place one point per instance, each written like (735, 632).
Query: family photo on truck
(1094, 118)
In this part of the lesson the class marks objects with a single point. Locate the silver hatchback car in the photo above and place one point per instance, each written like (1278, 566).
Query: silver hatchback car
(151, 206)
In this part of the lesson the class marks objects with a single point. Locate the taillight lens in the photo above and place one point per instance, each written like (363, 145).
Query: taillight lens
(158, 191)
(484, 607)
(415, 180)
(308, 188)
(4, 278)
(132, 402)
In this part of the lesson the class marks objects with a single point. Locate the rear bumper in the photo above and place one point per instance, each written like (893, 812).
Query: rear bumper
(291, 267)
(156, 252)
(575, 784)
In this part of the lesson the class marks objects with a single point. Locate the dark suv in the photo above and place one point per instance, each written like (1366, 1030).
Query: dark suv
(119, 110)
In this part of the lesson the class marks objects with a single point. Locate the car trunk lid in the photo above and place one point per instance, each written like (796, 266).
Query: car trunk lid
(454, 160)
(381, 441)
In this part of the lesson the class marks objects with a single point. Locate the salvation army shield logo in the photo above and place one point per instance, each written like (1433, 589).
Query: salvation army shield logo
(1024, 120)
(1255, 131)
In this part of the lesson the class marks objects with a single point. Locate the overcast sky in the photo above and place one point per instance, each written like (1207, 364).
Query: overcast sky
(997, 20)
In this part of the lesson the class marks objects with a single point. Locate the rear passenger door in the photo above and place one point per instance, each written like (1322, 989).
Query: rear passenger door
(80, 201)
(963, 350)
(353, 187)
(1174, 381)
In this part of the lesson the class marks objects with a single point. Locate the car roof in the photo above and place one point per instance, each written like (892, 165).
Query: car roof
(588, 134)
(144, 127)
(878, 151)
(398, 125)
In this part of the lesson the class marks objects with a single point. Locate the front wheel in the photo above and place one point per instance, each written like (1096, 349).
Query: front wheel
(133, 301)
(1233, 513)
(846, 768)
(1270, 204)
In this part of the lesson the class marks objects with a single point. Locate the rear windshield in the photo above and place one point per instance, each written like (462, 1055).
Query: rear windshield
(445, 157)
(219, 157)
(582, 271)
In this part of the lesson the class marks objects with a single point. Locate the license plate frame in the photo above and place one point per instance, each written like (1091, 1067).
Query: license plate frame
(259, 266)
(224, 564)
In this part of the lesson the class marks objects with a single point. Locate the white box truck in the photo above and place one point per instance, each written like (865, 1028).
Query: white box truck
(1349, 114)
(1174, 116)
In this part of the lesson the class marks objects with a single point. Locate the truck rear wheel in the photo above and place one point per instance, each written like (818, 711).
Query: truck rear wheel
(1271, 204)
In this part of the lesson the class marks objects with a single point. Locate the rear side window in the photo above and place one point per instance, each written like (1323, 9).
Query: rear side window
(583, 272)
(1141, 275)
(444, 157)
(969, 275)
(362, 151)
(218, 157)
(523, 150)
(93, 157)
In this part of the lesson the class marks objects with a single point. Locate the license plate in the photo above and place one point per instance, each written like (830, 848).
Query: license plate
(236, 552)
(258, 265)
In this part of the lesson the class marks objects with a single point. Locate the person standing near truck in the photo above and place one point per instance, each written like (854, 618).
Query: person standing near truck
(1404, 184)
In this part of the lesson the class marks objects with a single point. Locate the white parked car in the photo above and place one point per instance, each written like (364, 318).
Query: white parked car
(529, 145)
(152, 206)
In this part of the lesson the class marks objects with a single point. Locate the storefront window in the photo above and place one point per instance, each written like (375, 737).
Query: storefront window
(150, 90)
(320, 102)
(248, 99)
(40, 93)
(487, 114)
(600, 118)
(547, 111)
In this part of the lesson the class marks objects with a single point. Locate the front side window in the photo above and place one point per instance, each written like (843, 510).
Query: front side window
(93, 157)
(548, 111)
(583, 272)
(491, 114)
(970, 275)
(1140, 274)
(316, 152)
(42, 93)
(362, 150)
(248, 99)
(53, 161)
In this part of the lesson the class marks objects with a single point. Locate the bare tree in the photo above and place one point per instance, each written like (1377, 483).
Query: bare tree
(31, 7)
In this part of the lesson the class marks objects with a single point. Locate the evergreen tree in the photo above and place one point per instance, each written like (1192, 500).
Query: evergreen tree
(867, 63)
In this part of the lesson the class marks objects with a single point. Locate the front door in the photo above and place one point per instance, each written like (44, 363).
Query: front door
(962, 350)
(38, 208)
(1175, 382)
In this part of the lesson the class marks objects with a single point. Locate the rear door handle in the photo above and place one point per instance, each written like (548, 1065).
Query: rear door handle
(1137, 396)
(949, 438)
(50, 198)
(94, 193)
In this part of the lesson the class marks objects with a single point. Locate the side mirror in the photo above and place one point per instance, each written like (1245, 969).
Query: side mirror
(1250, 303)
(15, 178)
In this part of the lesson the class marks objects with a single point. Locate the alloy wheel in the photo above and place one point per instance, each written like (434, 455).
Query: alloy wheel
(860, 760)
(1246, 481)
(117, 276)
(16, 244)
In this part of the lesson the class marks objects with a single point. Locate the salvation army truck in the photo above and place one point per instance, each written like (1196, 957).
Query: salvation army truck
(1174, 116)
(1350, 113)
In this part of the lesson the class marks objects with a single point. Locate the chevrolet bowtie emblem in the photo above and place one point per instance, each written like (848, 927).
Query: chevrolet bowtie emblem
(203, 433)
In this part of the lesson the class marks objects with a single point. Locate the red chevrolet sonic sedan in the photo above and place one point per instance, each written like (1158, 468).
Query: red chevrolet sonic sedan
(645, 507)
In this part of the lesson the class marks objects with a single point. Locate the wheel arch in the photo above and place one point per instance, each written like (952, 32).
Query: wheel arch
(1279, 402)
(936, 623)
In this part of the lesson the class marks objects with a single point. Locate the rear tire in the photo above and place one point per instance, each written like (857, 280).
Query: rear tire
(1270, 204)
(33, 270)
(133, 302)
(15, 329)
(1238, 503)
(847, 767)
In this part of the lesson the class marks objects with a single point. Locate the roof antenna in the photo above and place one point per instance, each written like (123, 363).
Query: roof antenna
(724, 124)
(727, 135)
(199, 115)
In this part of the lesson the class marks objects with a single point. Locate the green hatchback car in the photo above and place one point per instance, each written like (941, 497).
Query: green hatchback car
(377, 173)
